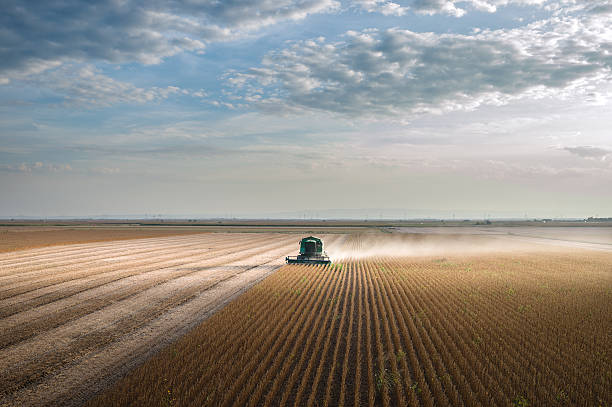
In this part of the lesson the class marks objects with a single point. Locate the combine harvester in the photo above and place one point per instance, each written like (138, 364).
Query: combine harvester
(311, 252)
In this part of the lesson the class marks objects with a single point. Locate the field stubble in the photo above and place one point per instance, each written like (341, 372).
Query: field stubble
(494, 329)
(27, 237)
(73, 318)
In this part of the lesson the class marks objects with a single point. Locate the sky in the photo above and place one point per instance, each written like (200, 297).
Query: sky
(306, 108)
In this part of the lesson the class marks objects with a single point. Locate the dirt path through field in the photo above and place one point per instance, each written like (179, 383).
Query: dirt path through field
(97, 310)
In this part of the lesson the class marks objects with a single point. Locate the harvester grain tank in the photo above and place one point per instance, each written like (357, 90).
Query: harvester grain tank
(311, 252)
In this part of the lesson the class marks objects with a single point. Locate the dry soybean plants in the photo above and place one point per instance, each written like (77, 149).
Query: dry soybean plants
(506, 330)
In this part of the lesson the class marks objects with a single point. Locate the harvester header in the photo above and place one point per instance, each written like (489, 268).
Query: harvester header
(311, 252)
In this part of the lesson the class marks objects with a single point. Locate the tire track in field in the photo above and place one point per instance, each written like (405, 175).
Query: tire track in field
(155, 327)
(52, 251)
(21, 268)
(56, 273)
(90, 261)
(46, 279)
(99, 277)
(26, 262)
(49, 251)
(27, 270)
(95, 277)
(20, 327)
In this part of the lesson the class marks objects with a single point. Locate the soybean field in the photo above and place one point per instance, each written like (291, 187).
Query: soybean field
(505, 329)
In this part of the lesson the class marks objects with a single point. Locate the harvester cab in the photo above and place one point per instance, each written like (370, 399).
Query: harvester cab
(311, 252)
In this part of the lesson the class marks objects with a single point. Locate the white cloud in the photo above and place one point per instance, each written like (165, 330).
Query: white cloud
(399, 71)
(30, 68)
(36, 33)
(506, 170)
(384, 7)
(604, 7)
(35, 167)
(105, 170)
(590, 152)
(438, 7)
(456, 8)
(86, 86)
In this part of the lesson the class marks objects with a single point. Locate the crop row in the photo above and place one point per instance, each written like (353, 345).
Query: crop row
(50, 317)
(491, 330)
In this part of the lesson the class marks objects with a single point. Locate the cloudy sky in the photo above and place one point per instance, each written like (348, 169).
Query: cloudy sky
(389, 108)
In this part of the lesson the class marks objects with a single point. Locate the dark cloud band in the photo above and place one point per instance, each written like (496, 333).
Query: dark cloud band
(34, 33)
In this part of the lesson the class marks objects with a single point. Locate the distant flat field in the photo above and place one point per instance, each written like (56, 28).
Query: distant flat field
(28, 237)
(588, 237)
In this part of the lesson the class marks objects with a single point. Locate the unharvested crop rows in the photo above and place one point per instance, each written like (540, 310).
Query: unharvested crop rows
(55, 308)
(511, 329)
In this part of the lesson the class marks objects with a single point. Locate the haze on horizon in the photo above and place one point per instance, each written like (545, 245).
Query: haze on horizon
(258, 108)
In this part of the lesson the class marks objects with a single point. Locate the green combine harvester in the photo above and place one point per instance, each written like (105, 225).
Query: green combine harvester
(311, 252)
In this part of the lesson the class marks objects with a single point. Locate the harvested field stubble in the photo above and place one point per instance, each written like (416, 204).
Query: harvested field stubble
(74, 317)
(505, 329)
(27, 237)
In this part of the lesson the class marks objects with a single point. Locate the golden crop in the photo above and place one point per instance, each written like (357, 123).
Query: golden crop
(509, 329)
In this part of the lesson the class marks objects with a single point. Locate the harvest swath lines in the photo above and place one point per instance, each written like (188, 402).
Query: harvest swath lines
(71, 315)
(506, 329)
